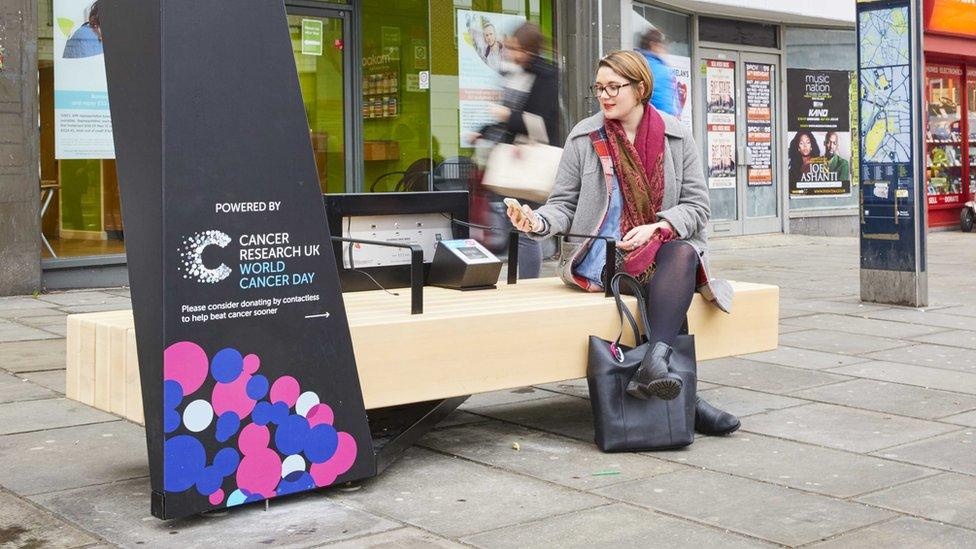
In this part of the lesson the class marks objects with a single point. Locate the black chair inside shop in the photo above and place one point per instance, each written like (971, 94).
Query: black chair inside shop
(412, 179)
(455, 174)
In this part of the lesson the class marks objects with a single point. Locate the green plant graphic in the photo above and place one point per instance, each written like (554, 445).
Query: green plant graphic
(66, 25)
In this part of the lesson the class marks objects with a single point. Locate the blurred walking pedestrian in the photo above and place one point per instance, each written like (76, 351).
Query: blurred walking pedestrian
(654, 46)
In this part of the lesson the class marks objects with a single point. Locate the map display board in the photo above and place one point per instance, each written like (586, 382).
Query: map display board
(890, 186)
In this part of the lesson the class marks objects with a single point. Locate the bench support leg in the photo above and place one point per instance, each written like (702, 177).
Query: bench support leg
(399, 427)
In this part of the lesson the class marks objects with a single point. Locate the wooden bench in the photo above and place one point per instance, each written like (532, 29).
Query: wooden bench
(465, 343)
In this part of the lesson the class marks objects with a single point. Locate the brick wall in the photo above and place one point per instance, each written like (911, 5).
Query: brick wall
(20, 270)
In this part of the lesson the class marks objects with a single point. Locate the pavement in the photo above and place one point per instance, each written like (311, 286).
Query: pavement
(860, 429)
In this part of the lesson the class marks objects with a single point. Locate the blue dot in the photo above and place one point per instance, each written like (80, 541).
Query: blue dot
(257, 387)
(209, 481)
(227, 365)
(291, 434)
(172, 393)
(321, 443)
(227, 426)
(226, 461)
(279, 412)
(236, 497)
(183, 461)
(171, 421)
(261, 415)
(298, 481)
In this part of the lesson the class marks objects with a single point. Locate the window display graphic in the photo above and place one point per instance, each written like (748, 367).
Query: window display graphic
(759, 124)
(480, 39)
(720, 123)
(944, 134)
(819, 135)
(681, 69)
(82, 121)
(249, 382)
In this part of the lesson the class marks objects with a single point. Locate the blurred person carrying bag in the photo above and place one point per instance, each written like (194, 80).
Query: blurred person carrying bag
(525, 169)
(624, 423)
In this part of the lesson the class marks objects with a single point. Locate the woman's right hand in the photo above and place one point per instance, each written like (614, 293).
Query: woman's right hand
(524, 219)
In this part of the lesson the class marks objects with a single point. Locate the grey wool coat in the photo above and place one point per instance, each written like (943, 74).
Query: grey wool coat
(579, 200)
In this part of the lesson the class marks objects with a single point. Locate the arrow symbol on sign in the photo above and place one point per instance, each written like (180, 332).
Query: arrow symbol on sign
(323, 315)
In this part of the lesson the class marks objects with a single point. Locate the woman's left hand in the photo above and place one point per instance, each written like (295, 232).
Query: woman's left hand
(642, 234)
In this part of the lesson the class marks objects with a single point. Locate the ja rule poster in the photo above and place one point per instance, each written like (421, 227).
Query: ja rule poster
(819, 132)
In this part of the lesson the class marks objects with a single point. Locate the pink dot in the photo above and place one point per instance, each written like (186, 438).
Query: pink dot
(251, 364)
(324, 474)
(320, 414)
(185, 363)
(285, 389)
(232, 397)
(260, 472)
(253, 438)
(217, 497)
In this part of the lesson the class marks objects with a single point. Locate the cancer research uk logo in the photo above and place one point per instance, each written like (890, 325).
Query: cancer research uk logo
(191, 254)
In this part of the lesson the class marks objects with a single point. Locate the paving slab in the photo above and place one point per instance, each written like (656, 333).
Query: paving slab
(41, 309)
(894, 398)
(762, 376)
(921, 376)
(54, 380)
(54, 413)
(961, 310)
(787, 329)
(865, 326)
(119, 305)
(920, 317)
(905, 532)
(12, 331)
(24, 525)
(119, 513)
(495, 398)
(12, 303)
(453, 497)
(952, 452)
(401, 538)
(789, 517)
(839, 342)
(948, 498)
(743, 402)
(460, 417)
(84, 297)
(934, 356)
(15, 389)
(968, 419)
(827, 306)
(60, 459)
(618, 526)
(804, 358)
(553, 458)
(794, 464)
(562, 415)
(43, 322)
(33, 356)
(952, 338)
(572, 387)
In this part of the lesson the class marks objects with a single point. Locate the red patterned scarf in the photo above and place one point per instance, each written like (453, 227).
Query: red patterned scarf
(640, 168)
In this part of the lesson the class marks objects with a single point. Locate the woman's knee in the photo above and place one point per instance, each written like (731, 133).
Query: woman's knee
(679, 252)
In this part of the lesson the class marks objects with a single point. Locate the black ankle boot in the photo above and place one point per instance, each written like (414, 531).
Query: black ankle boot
(653, 377)
(709, 420)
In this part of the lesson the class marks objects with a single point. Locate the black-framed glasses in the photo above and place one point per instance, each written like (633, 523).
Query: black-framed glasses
(612, 89)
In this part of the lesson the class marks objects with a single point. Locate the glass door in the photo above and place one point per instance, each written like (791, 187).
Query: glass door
(318, 39)
(740, 145)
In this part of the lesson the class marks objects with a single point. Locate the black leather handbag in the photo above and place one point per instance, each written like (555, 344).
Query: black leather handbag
(624, 423)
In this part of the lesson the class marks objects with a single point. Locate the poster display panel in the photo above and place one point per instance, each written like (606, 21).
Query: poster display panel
(720, 123)
(683, 97)
(759, 124)
(819, 135)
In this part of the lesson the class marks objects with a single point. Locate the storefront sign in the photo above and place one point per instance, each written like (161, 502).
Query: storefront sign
(311, 37)
(683, 105)
(82, 121)
(759, 124)
(951, 17)
(249, 381)
(720, 123)
(480, 56)
(819, 132)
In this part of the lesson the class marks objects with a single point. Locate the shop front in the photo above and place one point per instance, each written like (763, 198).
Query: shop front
(950, 94)
(391, 89)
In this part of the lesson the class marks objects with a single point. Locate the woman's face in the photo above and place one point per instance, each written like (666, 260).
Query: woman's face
(804, 145)
(515, 53)
(625, 102)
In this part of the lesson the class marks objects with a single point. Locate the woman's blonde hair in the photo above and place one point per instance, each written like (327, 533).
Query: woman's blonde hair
(632, 66)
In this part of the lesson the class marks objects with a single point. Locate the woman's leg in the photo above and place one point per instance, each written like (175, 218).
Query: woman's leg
(671, 290)
(530, 257)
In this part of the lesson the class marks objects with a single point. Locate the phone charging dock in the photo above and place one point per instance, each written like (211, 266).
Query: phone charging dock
(464, 265)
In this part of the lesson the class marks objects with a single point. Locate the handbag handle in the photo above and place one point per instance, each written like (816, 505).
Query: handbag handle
(624, 311)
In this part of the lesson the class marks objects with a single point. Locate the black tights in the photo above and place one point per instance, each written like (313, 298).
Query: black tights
(670, 290)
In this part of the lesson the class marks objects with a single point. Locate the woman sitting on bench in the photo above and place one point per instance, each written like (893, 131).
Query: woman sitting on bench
(633, 173)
